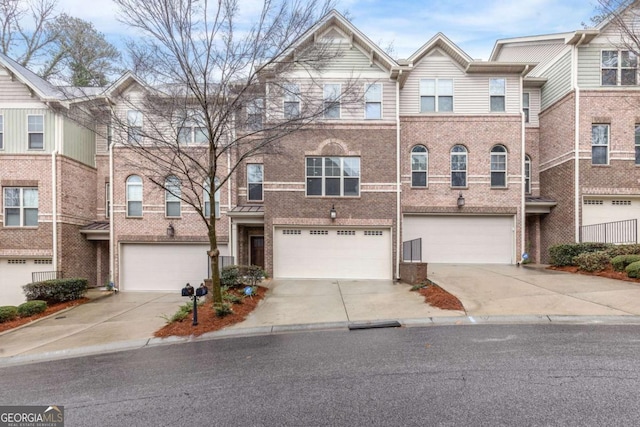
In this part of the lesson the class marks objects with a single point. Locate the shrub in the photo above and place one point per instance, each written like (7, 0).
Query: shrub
(592, 261)
(633, 270)
(623, 250)
(622, 261)
(30, 308)
(223, 309)
(229, 276)
(562, 255)
(58, 290)
(181, 314)
(230, 297)
(253, 274)
(8, 313)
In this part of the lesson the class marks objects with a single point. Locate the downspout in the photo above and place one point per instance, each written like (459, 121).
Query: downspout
(398, 177)
(54, 205)
(523, 206)
(112, 255)
(576, 195)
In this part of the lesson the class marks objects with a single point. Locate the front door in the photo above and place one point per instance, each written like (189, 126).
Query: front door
(257, 251)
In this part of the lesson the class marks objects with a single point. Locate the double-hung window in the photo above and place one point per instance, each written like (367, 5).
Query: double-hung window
(333, 176)
(134, 126)
(107, 200)
(255, 178)
(373, 101)
(291, 96)
(134, 196)
(20, 207)
(525, 106)
(172, 198)
(497, 92)
(527, 174)
(436, 95)
(207, 200)
(458, 166)
(637, 143)
(618, 68)
(419, 158)
(191, 127)
(35, 131)
(1, 132)
(255, 109)
(498, 167)
(599, 144)
(331, 97)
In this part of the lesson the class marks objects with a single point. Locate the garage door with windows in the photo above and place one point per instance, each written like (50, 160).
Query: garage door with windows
(163, 267)
(15, 273)
(464, 239)
(617, 213)
(332, 253)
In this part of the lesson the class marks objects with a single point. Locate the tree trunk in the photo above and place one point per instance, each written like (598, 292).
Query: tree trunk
(214, 254)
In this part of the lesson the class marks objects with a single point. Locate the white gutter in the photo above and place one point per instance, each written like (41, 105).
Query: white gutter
(398, 177)
(523, 208)
(576, 182)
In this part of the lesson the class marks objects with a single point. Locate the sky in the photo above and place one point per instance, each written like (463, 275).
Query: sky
(474, 25)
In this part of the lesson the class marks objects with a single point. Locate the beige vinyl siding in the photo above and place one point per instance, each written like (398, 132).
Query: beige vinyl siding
(13, 90)
(541, 52)
(589, 65)
(15, 130)
(534, 107)
(559, 81)
(79, 143)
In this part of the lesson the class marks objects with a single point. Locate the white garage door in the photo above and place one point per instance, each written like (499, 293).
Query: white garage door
(462, 239)
(14, 273)
(599, 210)
(332, 253)
(163, 267)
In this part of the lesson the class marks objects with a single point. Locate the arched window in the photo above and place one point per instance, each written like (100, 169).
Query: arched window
(134, 196)
(216, 198)
(527, 174)
(172, 196)
(458, 166)
(419, 162)
(498, 166)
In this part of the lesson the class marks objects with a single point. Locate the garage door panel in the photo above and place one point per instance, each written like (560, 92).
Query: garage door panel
(598, 210)
(462, 239)
(332, 253)
(15, 273)
(163, 267)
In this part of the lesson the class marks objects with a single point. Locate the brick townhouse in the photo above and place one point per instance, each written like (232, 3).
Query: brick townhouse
(480, 160)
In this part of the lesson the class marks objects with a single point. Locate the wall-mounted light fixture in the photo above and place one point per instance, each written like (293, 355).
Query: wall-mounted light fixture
(332, 212)
(171, 231)
(460, 200)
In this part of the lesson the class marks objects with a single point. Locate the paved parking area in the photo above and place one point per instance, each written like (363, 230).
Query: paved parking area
(505, 290)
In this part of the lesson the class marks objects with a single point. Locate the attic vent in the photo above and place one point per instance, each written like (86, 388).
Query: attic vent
(593, 202)
(17, 261)
(42, 261)
(621, 202)
(318, 232)
(346, 233)
(291, 232)
(373, 233)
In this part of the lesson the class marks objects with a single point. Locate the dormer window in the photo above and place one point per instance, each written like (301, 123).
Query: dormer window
(619, 68)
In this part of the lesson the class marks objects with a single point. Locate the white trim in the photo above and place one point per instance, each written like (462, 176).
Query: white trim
(261, 182)
(29, 132)
(366, 86)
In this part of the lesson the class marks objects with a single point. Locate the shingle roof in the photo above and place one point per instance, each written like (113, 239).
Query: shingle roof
(96, 226)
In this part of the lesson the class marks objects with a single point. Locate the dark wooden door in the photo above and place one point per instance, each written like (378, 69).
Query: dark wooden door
(257, 251)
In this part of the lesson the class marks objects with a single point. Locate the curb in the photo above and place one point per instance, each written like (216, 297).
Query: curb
(310, 327)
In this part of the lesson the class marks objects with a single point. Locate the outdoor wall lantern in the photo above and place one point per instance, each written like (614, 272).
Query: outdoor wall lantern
(332, 213)
(460, 200)
(171, 231)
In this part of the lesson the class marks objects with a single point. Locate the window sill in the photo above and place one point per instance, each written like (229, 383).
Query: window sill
(499, 188)
(600, 166)
(20, 227)
(134, 217)
(425, 187)
(172, 217)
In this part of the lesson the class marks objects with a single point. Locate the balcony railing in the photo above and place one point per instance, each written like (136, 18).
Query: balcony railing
(611, 232)
(41, 276)
(412, 250)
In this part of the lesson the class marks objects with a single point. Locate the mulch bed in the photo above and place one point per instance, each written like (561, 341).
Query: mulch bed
(207, 319)
(439, 298)
(53, 308)
(609, 273)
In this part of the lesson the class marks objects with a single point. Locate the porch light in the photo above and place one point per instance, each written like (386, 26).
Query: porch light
(171, 231)
(332, 213)
(460, 200)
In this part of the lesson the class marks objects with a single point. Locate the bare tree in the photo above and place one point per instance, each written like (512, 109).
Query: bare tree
(214, 84)
(622, 16)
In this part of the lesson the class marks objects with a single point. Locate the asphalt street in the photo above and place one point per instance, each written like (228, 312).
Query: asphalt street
(442, 375)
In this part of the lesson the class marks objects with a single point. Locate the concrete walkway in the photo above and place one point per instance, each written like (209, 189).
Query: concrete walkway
(507, 290)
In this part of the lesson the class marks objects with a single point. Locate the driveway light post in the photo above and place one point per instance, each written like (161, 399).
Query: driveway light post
(188, 291)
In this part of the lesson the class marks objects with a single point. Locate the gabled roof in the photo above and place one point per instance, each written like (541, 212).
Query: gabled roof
(126, 80)
(36, 84)
(441, 41)
(334, 18)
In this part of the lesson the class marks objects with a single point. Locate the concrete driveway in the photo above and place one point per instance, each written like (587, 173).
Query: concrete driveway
(299, 302)
(499, 290)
